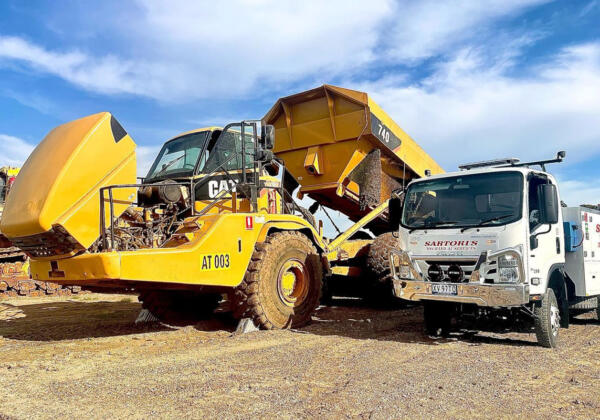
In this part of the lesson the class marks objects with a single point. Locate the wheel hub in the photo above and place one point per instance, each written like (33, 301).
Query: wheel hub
(292, 283)
(554, 319)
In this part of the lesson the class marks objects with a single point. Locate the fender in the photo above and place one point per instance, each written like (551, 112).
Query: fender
(556, 280)
(300, 225)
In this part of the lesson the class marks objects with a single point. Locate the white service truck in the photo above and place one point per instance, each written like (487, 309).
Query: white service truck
(492, 244)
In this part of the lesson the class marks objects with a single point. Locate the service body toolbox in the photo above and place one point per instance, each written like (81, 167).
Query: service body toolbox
(582, 246)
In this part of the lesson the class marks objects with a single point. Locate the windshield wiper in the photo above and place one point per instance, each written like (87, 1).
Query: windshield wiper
(166, 166)
(433, 225)
(485, 222)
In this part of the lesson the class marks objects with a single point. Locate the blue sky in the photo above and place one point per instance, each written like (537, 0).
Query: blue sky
(469, 80)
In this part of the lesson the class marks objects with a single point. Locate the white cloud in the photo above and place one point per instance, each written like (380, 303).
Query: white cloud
(181, 50)
(430, 27)
(106, 74)
(471, 109)
(145, 158)
(575, 192)
(185, 50)
(13, 150)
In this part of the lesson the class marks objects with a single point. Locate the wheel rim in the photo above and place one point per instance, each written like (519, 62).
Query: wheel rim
(554, 319)
(292, 282)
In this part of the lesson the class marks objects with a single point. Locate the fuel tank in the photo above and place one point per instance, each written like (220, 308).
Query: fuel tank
(53, 209)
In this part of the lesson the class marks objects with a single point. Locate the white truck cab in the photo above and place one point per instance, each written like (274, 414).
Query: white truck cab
(487, 242)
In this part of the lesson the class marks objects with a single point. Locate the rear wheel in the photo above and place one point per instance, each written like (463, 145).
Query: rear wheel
(437, 317)
(171, 305)
(547, 320)
(282, 286)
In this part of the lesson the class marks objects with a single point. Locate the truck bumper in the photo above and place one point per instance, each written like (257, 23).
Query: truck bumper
(475, 289)
(479, 294)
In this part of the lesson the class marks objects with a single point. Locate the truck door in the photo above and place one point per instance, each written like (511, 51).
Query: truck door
(550, 243)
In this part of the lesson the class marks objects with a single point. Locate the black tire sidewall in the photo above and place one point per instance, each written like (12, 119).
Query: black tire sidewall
(278, 313)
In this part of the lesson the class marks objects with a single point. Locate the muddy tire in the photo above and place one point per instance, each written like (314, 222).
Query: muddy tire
(437, 318)
(170, 306)
(547, 320)
(379, 278)
(283, 284)
(379, 256)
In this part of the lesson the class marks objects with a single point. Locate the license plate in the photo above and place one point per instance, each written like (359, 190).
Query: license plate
(444, 289)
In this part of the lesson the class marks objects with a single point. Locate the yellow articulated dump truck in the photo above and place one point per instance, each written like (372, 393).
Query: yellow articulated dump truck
(215, 215)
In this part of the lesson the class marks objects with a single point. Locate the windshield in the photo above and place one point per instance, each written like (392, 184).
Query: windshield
(226, 154)
(178, 157)
(483, 199)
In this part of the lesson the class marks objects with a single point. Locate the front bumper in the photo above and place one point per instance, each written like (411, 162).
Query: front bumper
(474, 291)
(479, 294)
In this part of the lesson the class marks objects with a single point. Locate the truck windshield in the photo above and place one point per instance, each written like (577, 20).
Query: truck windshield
(489, 199)
(226, 153)
(178, 157)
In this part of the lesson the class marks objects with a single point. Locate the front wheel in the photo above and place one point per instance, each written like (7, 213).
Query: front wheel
(547, 320)
(282, 286)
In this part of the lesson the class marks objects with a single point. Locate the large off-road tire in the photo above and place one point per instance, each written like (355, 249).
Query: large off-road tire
(547, 320)
(437, 318)
(170, 305)
(378, 272)
(282, 286)
(378, 259)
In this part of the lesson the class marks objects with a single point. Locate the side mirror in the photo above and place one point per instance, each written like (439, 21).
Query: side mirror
(267, 136)
(394, 213)
(548, 204)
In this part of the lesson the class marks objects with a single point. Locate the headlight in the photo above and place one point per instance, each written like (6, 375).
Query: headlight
(508, 272)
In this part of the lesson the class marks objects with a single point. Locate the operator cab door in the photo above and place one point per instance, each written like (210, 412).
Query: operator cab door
(550, 244)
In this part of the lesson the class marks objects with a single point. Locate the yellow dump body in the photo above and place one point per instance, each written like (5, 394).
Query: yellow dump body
(343, 149)
(53, 207)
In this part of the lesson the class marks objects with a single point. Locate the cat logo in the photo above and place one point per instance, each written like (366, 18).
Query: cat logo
(218, 188)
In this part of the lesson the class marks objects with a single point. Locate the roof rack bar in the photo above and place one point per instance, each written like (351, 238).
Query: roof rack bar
(559, 158)
(486, 163)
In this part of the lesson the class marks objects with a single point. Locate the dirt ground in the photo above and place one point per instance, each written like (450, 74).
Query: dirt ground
(83, 357)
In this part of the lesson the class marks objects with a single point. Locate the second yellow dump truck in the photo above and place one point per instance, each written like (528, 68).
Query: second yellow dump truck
(215, 216)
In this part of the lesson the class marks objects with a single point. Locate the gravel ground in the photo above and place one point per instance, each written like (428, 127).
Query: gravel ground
(83, 357)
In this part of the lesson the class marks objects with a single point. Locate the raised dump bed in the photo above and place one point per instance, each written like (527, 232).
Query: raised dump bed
(344, 150)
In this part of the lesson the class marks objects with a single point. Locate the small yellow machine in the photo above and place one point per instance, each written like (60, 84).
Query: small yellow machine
(215, 214)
